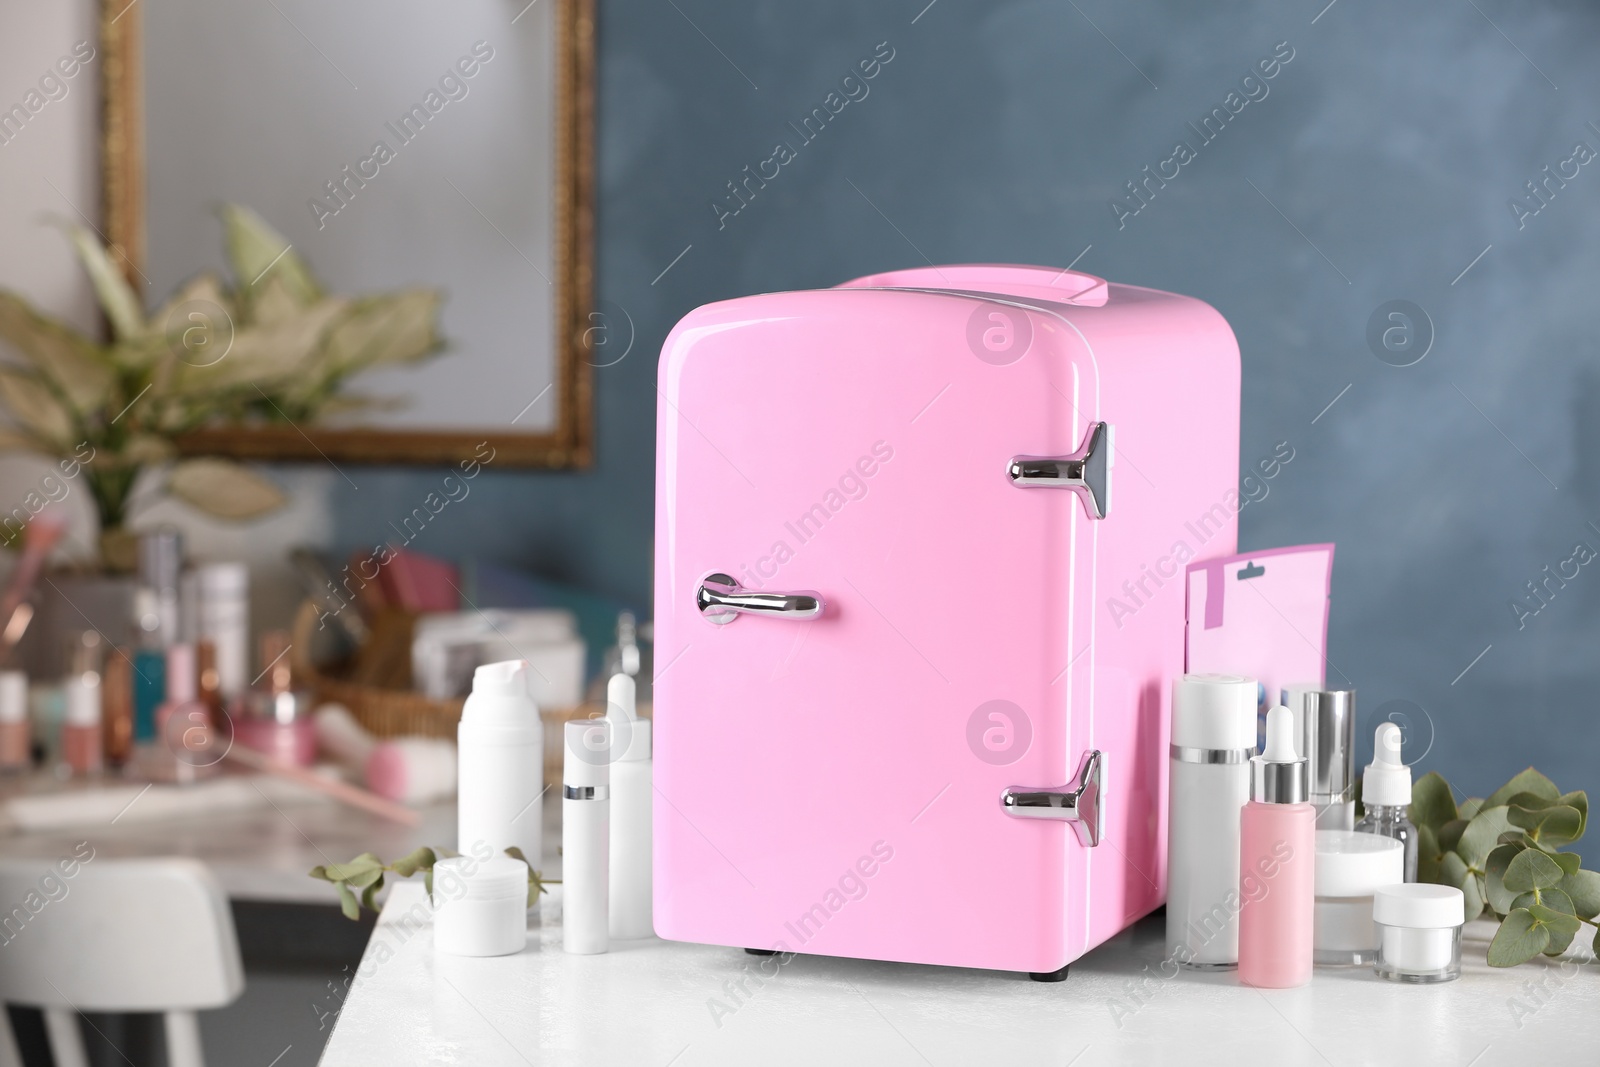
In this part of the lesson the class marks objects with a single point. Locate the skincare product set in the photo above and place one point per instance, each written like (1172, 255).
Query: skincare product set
(1268, 870)
(480, 902)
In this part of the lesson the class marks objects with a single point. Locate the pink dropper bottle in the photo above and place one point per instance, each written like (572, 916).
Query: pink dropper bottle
(1277, 856)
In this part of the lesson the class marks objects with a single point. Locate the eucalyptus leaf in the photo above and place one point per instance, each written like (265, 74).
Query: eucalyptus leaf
(1482, 836)
(1450, 833)
(1526, 781)
(1583, 887)
(348, 902)
(1578, 800)
(1562, 928)
(1520, 938)
(1531, 869)
(1554, 899)
(1428, 855)
(369, 895)
(1499, 897)
(1569, 862)
(1470, 807)
(1557, 825)
(1432, 802)
(1453, 870)
(408, 865)
(1472, 897)
(1530, 801)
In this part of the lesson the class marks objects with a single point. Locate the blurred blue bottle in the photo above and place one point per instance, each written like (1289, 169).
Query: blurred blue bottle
(156, 614)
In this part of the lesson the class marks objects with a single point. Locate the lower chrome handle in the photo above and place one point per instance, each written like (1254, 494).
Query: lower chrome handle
(721, 599)
(1079, 803)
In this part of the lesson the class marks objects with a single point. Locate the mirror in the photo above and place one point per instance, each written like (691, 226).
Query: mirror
(394, 145)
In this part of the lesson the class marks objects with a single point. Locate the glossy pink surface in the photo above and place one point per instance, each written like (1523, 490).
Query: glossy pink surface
(832, 786)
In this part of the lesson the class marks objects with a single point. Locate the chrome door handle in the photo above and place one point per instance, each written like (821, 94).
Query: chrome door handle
(721, 599)
(1086, 472)
(1079, 804)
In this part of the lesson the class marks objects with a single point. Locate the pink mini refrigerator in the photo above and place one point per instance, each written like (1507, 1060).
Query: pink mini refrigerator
(920, 553)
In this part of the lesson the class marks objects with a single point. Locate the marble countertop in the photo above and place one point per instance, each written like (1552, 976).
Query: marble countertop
(655, 1003)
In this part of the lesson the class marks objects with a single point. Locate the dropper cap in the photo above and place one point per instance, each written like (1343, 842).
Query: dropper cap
(1278, 775)
(1387, 779)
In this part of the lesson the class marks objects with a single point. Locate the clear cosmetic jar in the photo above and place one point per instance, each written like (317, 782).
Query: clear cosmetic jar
(480, 907)
(1350, 868)
(1419, 932)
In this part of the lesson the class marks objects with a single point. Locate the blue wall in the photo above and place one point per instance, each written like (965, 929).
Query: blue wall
(1379, 163)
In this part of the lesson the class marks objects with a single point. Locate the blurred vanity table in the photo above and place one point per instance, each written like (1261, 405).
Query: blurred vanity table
(258, 834)
(679, 1005)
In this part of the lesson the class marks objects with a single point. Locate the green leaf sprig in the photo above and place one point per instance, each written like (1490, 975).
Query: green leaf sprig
(365, 874)
(1504, 853)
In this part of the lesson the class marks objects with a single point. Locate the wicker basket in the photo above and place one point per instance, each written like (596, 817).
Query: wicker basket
(402, 712)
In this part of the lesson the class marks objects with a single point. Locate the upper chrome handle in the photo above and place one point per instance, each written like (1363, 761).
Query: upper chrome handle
(1086, 472)
(721, 599)
(1079, 803)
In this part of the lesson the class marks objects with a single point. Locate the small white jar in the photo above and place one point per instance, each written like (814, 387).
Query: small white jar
(480, 907)
(1419, 932)
(1350, 868)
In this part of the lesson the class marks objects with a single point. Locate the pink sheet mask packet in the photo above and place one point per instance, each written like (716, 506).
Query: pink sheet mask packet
(1263, 615)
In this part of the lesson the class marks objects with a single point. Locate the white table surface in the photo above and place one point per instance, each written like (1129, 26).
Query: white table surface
(650, 1003)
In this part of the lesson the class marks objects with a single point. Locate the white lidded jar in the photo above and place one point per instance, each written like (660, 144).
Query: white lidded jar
(1351, 868)
(631, 777)
(480, 907)
(1213, 738)
(1419, 932)
(500, 749)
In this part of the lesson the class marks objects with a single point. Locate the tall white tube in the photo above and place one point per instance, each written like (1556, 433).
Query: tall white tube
(501, 763)
(1213, 738)
(630, 812)
(585, 832)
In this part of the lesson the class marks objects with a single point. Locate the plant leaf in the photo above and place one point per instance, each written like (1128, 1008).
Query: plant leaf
(427, 882)
(1520, 938)
(369, 895)
(1531, 869)
(408, 865)
(1579, 801)
(1530, 801)
(384, 331)
(263, 356)
(1526, 781)
(343, 872)
(348, 902)
(1429, 856)
(74, 363)
(1432, 802)
(1562, 928)
(1583, 887)
(1552, 827)
(34, 406)
(1472, 897)
(1470, 808)
(223, 488)
(1450, 834)
(1554, 899)
(1499, 897)
(257, 251)
(1482, 835)
(121, 306)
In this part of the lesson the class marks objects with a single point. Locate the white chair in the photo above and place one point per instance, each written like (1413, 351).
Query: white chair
(119, 935)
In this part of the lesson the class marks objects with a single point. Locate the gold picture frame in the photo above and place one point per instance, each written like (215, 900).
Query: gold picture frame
(570, 444)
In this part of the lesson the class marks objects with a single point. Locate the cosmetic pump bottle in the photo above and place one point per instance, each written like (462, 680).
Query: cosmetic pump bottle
(585, 832)
(1386, 795)
(81, 744)
(1277, 864)
(630, 812)
(1213, 738)
(16, 738)
(183, 722)
(500, 763)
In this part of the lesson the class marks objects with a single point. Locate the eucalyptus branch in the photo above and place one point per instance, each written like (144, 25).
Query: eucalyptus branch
(366, 874)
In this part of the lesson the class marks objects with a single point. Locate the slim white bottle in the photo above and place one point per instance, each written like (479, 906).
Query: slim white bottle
(500, 745)
(1213, 738)
(585, 832)
(630, 812)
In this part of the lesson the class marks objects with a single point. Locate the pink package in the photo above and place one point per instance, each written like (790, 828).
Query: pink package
(1263, 615)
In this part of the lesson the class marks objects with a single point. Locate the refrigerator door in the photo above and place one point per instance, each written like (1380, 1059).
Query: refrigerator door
(866, 633)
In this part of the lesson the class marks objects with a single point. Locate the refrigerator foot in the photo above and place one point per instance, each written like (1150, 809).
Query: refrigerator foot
(762, 951)
(1041, 976)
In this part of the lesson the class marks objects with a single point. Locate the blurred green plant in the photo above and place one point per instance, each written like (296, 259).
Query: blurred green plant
(1504, 853)
(366, 873)
(272, 347)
